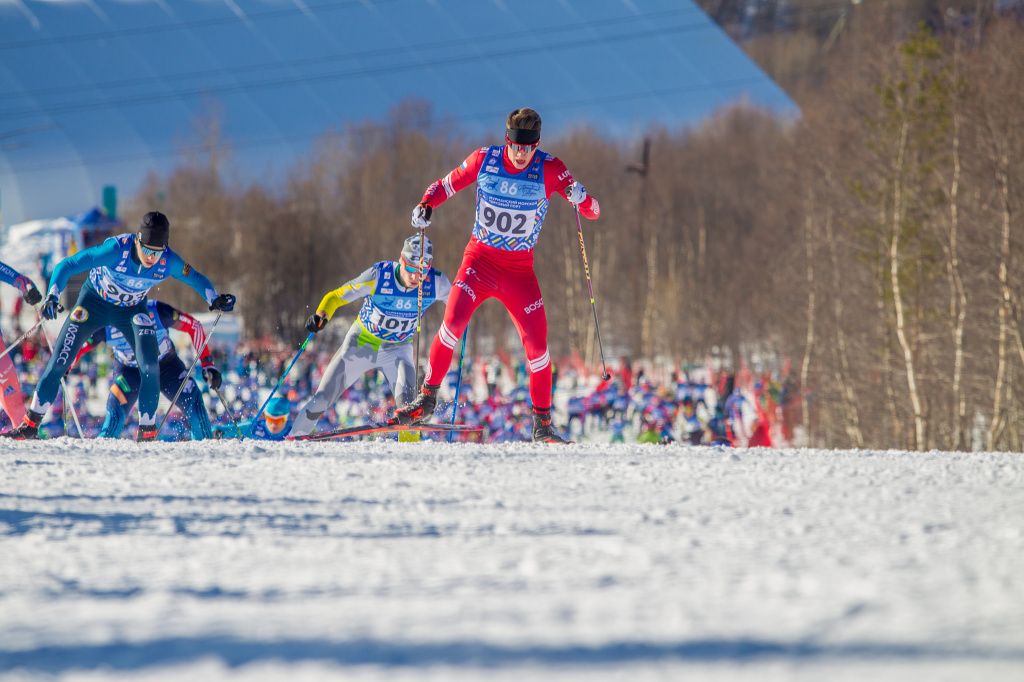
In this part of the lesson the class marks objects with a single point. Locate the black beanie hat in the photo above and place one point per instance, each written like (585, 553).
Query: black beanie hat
(155, 229)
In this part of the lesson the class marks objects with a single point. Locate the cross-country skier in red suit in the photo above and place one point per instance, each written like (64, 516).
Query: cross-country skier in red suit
(514, 183)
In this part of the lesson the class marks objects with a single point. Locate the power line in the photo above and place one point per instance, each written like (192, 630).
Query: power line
(488, 115)
(366, 54)
(337, 75)
(188, 25)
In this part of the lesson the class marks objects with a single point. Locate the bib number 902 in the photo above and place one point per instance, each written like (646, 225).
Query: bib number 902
(504, 222)
(123, 297)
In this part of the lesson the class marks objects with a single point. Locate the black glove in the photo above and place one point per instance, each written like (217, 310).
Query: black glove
(218, 434)
(32, 296)
(212, 376)
(224, 303)
(315, 323)
(421, 215)
(51, 308)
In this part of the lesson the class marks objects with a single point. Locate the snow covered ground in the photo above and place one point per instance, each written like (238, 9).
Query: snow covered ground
(395, 561)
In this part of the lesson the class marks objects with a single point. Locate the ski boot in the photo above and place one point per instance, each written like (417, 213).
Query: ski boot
(146, 434)
(420, 410)
(29, 429)
(544, 430)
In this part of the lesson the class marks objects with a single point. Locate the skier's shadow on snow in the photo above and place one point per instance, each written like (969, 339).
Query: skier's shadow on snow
(234, 653)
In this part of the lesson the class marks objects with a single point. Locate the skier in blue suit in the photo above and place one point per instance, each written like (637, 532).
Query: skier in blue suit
(122, 270)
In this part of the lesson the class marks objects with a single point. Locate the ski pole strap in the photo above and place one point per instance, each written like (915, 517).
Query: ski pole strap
(256, 419)
(21, 338)
(188, 374)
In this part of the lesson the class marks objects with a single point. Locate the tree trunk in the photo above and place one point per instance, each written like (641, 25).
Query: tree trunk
(809, 344)
(958, 298)
(885, 332)
(897, 296)
(843, 375)
(998, 418)
(652, 277)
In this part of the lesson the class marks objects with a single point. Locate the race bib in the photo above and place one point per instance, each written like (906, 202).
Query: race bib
(504, 222)
(394, 325)
(119, 295)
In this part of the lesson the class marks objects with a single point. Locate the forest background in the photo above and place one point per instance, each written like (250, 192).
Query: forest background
(873, 245)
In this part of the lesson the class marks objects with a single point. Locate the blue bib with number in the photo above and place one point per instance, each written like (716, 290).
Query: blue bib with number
(389, 313)
(510, 208)
(121, 285)
(122, 347)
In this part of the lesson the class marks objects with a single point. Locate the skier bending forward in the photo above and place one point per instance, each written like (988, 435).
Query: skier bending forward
(381, 337)
(122, 270)
(514, 183)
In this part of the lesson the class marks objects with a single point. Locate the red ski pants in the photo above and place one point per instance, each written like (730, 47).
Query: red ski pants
(508, 276)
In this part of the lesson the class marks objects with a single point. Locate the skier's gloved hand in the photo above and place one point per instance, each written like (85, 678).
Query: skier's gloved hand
(32, 295)
(421, 215)
(224, 303)
(218, 434)
(211, 375)
(315, 323)
(51, 308)
(576, 193)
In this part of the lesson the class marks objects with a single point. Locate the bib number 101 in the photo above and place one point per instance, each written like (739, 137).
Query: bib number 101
(393, 324)
(503, 221)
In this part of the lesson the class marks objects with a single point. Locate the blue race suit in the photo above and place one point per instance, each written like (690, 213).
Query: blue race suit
(115, 296)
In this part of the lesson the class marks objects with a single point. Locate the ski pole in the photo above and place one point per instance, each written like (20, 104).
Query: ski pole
(256, 419)
(419, 313)
(586, 269)
(188, 374)
(458, 383)
(63, 384)
(228, 410)
(21, 338)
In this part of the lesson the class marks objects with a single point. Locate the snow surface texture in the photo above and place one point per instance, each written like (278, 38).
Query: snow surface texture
(395, 561)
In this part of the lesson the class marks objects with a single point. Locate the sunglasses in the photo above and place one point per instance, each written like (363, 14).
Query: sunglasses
(521, 147)
(146, 251)
(276, 420)
(412, 270)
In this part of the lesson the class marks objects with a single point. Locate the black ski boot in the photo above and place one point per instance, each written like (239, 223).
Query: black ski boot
(29, 429)
(146, 434)
(544, 430)
(420, 410)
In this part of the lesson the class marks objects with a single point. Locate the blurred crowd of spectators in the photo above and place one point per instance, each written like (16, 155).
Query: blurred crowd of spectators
(699, 406)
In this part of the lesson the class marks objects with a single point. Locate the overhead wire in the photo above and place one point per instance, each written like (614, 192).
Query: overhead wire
(484, 115)
(336, 75)
(184, 25)
(353, 56)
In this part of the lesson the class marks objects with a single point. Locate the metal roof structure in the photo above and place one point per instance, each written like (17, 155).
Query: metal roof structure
(99, 92)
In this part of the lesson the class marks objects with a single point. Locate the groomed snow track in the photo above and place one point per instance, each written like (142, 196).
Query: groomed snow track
(401, 561)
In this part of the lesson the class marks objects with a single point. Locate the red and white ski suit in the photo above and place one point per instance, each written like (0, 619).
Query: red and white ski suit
(502, 269)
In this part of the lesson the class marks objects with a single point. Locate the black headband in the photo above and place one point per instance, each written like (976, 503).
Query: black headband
(522, 136)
